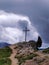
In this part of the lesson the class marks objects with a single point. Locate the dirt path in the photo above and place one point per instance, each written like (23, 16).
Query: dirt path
(12, 57)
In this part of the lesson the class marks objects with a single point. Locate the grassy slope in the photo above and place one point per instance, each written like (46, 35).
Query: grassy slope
(5, 61)
(4, 53)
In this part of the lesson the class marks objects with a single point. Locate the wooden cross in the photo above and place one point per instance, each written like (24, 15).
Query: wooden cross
(26, 30)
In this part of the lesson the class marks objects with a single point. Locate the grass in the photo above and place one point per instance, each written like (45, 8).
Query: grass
(5, 61)
(22, 59)
(5, 52)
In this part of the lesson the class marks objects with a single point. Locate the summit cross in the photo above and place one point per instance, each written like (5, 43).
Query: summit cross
(26, 30)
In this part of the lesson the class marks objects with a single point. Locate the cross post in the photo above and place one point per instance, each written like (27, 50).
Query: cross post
(26, 30)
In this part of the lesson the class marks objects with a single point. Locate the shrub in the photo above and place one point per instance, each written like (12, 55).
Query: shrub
(39, 42)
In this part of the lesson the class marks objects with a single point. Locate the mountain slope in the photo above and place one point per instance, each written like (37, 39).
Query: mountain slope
(4, 44)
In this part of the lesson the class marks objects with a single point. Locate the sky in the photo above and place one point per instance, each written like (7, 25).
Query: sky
(16, 14)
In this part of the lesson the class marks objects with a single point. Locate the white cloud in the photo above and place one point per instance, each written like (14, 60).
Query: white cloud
(11, 31)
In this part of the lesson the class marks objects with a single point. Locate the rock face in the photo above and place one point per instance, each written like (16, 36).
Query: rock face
(31, 43)
(27, 56)
(30, 62)
(37, 61)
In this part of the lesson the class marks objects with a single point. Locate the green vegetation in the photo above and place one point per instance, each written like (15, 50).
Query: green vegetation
(22, 59)
(46, 51)
(5, 61)
(5, 52)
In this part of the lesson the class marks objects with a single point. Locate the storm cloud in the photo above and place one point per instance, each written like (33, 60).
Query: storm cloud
(12, 26)
(36, 10)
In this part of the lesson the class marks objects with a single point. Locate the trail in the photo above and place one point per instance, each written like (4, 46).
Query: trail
(12, 57)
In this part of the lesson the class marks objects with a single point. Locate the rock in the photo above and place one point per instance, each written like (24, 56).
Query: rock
(39, 59)
(29, 62)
